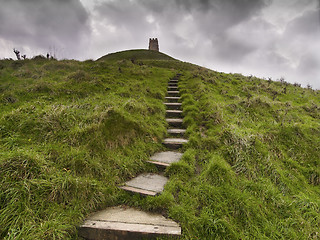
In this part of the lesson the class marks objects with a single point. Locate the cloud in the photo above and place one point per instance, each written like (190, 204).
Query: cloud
(301, 43)
(37, 24)
(266, 38)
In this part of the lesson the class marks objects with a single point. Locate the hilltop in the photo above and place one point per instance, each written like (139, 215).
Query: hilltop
(71, 132)
(139, 54)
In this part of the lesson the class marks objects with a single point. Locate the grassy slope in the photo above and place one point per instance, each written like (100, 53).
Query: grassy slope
(253, 159)
(71, 131)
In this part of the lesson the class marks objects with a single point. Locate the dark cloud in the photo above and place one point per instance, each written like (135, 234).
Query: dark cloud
(267, 38)
(45, 23)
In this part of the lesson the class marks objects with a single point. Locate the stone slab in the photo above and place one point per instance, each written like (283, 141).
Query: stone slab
(147, 184)
(127, 223)
(173, 93)
(173, 113)
(176, 131)
(175, 141)
(173, 104)
(172, 99)
(172, 88)
(174, 120)
(165, 158)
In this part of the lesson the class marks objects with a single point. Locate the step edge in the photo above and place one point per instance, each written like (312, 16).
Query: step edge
(139, 190)
(159, 163)
(98, 225)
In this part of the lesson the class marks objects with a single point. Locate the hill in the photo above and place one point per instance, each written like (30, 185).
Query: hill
(71, 132)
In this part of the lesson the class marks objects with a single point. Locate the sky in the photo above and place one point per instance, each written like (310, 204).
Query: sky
(263, 38)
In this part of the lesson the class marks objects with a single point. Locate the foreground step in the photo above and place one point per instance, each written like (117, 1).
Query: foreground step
(146, 184)
(165, 158)
(127, 224)
(174, 143)
(173, 113)
(176, 132)
(172, 99)
(174, 122)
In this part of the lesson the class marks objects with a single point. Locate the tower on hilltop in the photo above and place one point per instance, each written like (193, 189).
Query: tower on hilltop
(153, 44)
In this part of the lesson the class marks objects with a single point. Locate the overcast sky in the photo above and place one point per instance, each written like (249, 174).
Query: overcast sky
(265, 38)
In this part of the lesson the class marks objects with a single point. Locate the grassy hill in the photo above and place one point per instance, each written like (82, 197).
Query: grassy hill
(71, 131)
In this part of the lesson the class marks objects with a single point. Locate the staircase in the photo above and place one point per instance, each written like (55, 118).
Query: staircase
(128, 223)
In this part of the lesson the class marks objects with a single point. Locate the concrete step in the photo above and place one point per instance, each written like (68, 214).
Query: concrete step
(174, 143)
(127, 223)
(146, 184)
(165, 158)
(171, 88)
(173, 113)
(173, 93)
(173, 106)
(175, 122)
(172, 99)
(176, 132)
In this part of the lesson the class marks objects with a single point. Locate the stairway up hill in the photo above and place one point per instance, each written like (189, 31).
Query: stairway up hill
(128, 223)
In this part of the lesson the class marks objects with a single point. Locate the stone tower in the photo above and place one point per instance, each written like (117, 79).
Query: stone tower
(153, 44)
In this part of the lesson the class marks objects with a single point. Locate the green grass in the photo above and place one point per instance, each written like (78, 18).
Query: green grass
(71, 132)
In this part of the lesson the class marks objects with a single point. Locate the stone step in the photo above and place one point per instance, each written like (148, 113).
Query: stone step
(172, 99)
(176, 132)
(172, 84)
(165, 158)
(173, 106)
(170, 88)
(173, 113)
(173, 93)
(175, 122)
(173, 80)
(127, 223)
(146, 184)
(174, 143)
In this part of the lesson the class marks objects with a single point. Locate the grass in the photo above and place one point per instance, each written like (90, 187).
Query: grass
(71, 131)
(255, 152)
